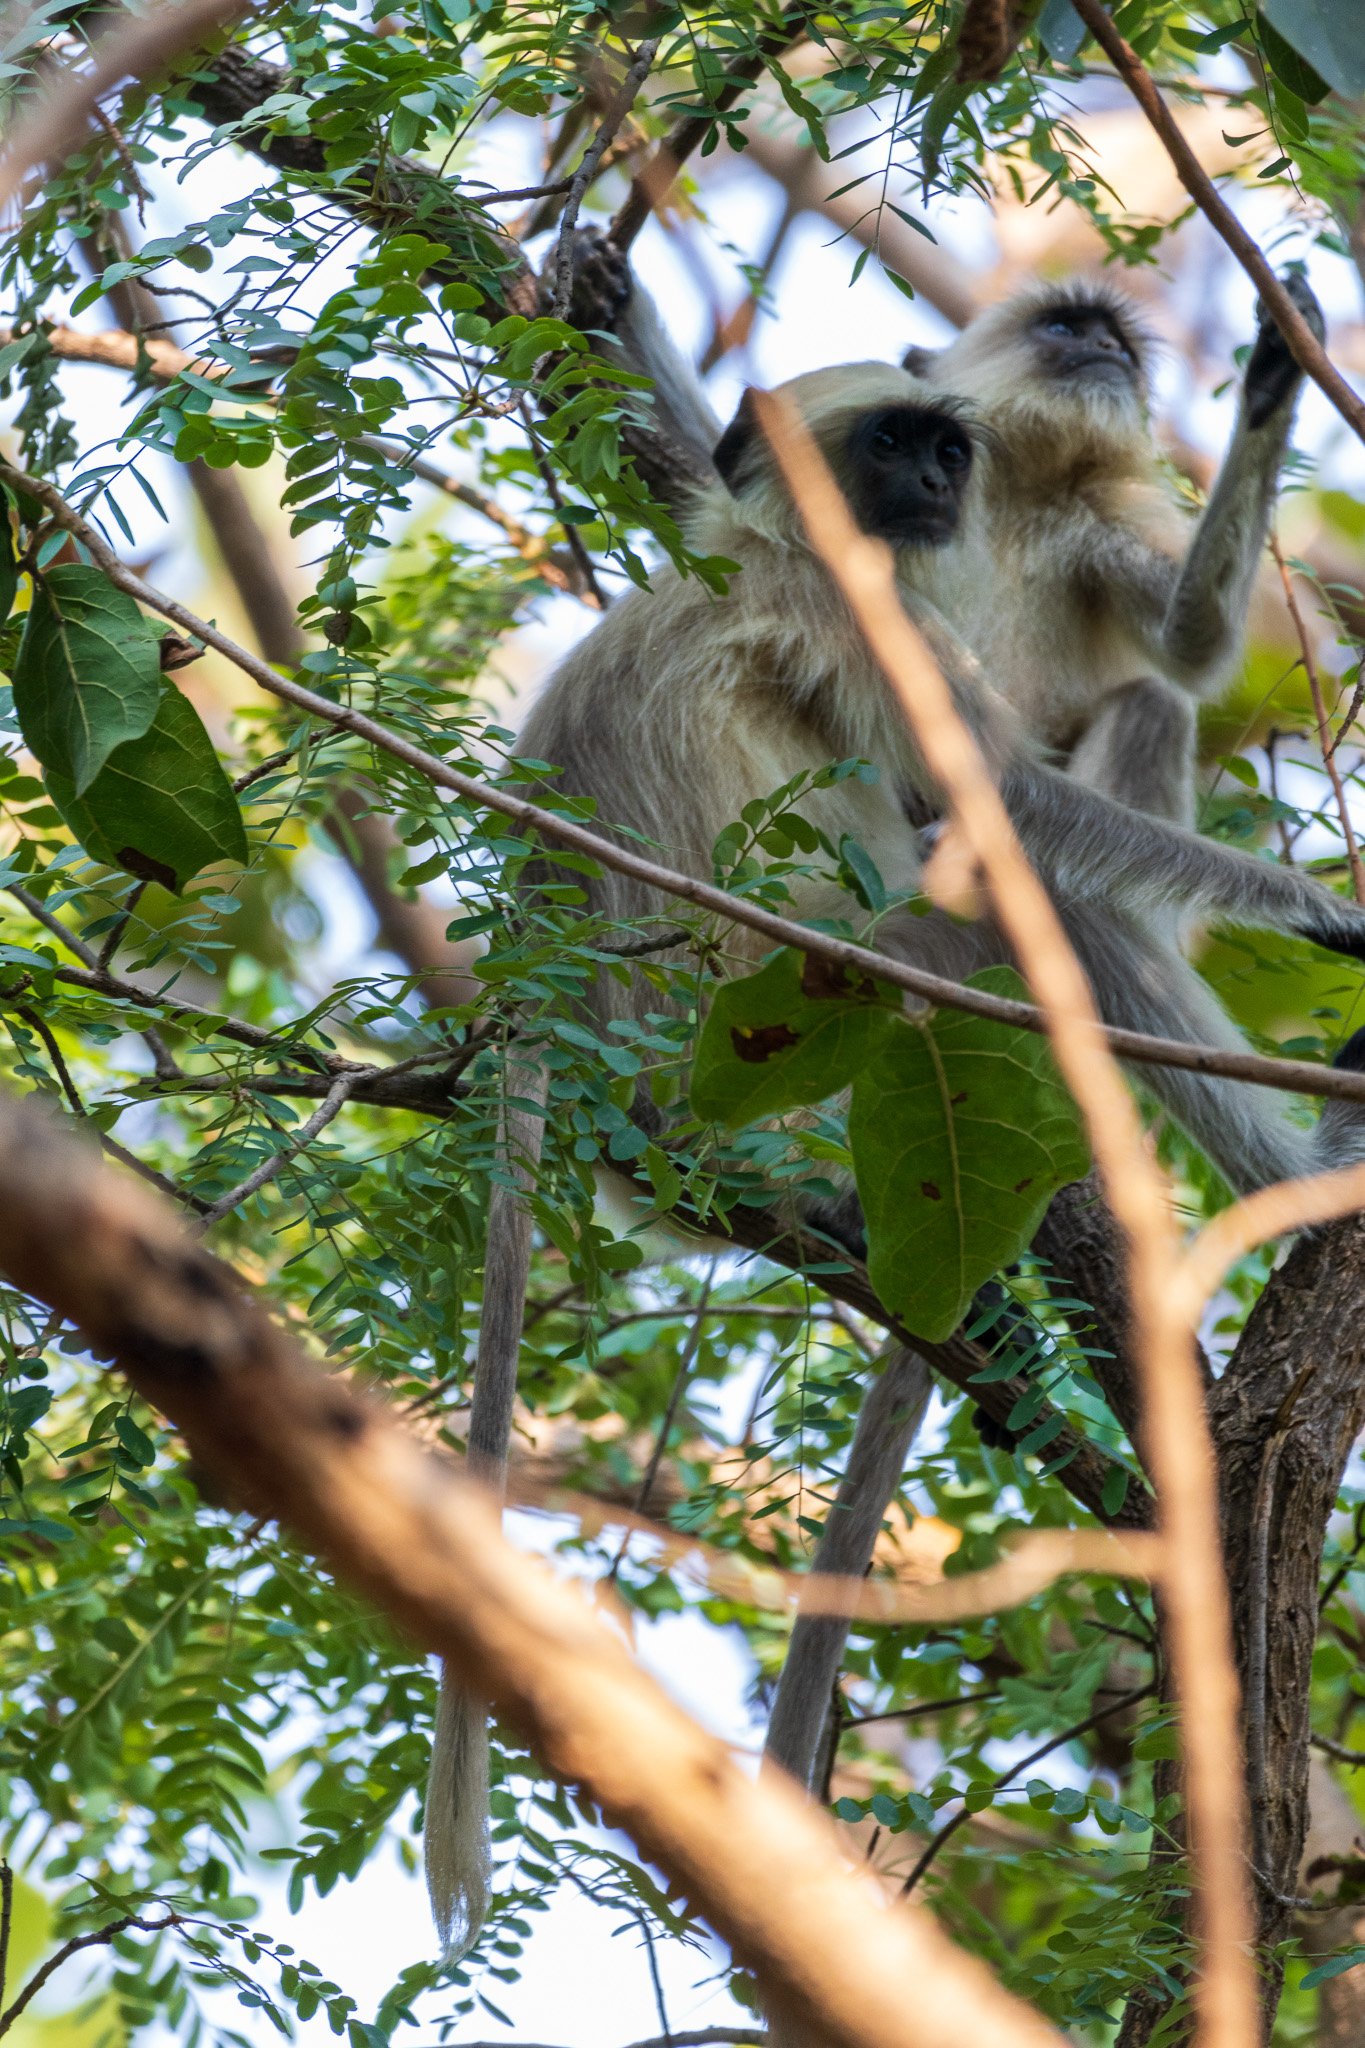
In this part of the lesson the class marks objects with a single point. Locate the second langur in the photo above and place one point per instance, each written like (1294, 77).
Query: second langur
(1111, 612)
(683, 706)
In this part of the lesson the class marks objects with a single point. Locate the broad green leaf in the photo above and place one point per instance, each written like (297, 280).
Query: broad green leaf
(88, 675)
(161, 806)
(1327, 35)
(794, 1033)
(1289, 67)
(961, 1133)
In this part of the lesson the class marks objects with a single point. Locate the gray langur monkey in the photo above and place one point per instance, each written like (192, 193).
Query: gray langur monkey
(682, 706)
(1108, 612)
(1111, 611)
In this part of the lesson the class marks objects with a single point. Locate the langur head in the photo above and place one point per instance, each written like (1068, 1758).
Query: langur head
(902, 454)
(1063, 365)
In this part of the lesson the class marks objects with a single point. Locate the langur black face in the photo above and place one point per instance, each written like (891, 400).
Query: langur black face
(1078, 341)
(903, 468)
(905, 471)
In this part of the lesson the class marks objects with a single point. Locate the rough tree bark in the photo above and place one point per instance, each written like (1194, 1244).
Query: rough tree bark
(1284, 1416)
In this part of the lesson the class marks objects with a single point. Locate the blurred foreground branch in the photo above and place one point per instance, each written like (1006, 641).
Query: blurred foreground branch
(401, 1528)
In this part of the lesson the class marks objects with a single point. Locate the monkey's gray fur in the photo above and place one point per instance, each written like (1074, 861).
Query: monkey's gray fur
(682, 706)
(1112, 611)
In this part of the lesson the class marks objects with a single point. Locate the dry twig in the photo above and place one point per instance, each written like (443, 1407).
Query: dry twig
(1179, 1449)
(1325, 740)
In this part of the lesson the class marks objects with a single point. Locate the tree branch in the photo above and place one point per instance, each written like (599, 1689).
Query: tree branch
(1294, 1076)
(404, 1531)
(1307, 351)
(100, 1938)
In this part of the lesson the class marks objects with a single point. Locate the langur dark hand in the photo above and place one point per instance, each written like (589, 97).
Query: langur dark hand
(602, 283)
(1273, 376)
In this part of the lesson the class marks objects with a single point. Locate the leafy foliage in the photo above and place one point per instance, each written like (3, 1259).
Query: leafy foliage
(310, 234)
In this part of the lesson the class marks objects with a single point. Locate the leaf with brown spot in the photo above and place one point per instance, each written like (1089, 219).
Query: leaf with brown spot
(770, 1044)
(961, 1132)
(756, 1043)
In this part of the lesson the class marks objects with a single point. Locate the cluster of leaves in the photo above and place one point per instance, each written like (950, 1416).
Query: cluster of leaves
(191, 1712)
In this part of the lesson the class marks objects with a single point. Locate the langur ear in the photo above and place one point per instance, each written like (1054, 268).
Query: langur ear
(736, 442)
(920, 361)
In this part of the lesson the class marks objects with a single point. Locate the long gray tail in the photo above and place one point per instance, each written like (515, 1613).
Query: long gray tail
(455, 1842)
(457, 1848)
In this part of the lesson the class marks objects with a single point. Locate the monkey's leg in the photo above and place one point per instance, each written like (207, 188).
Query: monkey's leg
(1090, 849)
(893, 1408)
(1139, 749)
(1249, 1133)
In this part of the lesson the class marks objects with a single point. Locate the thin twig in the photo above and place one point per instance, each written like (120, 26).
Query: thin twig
(920, 1710)
(1307, 351)
(964, 1813)
(107, 1144)
(617, 109)
(655, 179)
(114, 938)
(1295, 1076)
(166, 1066)
(665, 1430)
(1325, 741)
(331, 1105)
(99, 1939)
(54, 1052)
(114, 348)
(1343, 1755)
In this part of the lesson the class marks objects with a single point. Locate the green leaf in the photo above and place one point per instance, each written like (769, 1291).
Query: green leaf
(792, 1034)
(161, 807)
(88, 674)
(961, 1133)
(1327, 35)
(1335, 1966)
(9, 568)
(1289, 67)
(1061, 30)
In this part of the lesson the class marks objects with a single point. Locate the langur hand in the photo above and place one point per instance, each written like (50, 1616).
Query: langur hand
(1273, 376)
(602, 283)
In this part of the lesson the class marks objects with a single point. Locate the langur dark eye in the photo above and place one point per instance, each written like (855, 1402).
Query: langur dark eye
(954, 451)
(886, 441)
(1060, 323)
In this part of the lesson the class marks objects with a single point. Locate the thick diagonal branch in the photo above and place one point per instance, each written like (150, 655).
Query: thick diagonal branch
(403, 1530)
